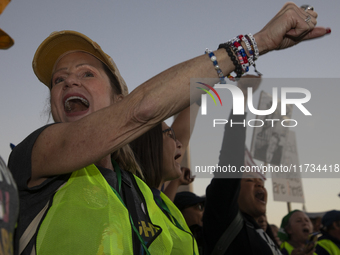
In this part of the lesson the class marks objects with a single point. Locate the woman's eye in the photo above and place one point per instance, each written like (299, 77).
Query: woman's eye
(88, 74)
(58, 80)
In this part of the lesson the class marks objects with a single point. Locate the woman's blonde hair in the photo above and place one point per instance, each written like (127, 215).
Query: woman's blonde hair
(124, 156)
(126, 160)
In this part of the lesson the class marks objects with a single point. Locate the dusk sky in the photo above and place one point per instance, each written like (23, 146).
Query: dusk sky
(147, 37)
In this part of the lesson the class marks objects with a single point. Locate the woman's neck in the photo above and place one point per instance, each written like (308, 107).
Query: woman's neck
(161, 185)
(296, 244)
(105, 162)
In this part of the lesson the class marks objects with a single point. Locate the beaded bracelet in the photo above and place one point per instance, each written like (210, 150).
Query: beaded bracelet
(250, 50)
(254, 44)
(217, 67)
(249, 44)
(243, 56)
(238, 68)
(236, 42)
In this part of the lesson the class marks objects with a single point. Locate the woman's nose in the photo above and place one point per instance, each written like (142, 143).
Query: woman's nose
(72, 80)
(178, 143)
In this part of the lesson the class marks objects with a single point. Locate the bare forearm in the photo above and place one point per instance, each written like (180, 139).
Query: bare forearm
(69, 146)
(171, 189)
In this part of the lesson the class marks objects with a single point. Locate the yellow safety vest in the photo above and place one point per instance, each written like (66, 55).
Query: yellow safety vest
(183, 240)
(329, 246)
(86, 217)
(286, 246)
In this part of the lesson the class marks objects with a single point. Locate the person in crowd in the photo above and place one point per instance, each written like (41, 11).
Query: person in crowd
(158, 152)
(75, 177)
(329, 242)
(182, 126)
(9, 207)
(192, 208)
(275, 231)
(316, 221)
(294, 233)
(262, 222)
(185, 179)
(236, 199)
(161, 162)
(230, 227)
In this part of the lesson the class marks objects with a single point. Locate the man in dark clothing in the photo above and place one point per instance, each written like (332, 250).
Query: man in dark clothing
(192, 208)
(227, 195)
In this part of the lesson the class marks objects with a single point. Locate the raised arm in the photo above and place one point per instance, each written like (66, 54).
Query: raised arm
(223, 192)
(183, 126)
(65, 147)
(185, 179)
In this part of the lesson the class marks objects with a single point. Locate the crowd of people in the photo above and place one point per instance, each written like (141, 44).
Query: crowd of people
(103, 178)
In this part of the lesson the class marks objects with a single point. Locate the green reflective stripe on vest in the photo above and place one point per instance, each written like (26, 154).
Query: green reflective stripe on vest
(163, 205)
(184, 242)
(87, 218)
(119, 179)
(329, 246)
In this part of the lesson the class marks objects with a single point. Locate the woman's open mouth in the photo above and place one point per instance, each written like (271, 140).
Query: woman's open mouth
(306, 231)
(178, 156)
(259, 195)
(76, 104)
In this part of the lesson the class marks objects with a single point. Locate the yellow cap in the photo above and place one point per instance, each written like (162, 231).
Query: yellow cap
(5, 40)
(60, 42)
(3, 4)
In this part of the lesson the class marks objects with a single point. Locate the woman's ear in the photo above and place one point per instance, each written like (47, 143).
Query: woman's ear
(336, 225)
(119, 97)
(288, 230)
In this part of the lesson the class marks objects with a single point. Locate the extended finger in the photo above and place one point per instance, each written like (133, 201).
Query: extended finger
(317, 32)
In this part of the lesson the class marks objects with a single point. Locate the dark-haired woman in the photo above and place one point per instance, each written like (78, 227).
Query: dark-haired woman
(159, 154)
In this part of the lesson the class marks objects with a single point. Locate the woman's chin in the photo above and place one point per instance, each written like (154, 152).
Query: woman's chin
(177, 172)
